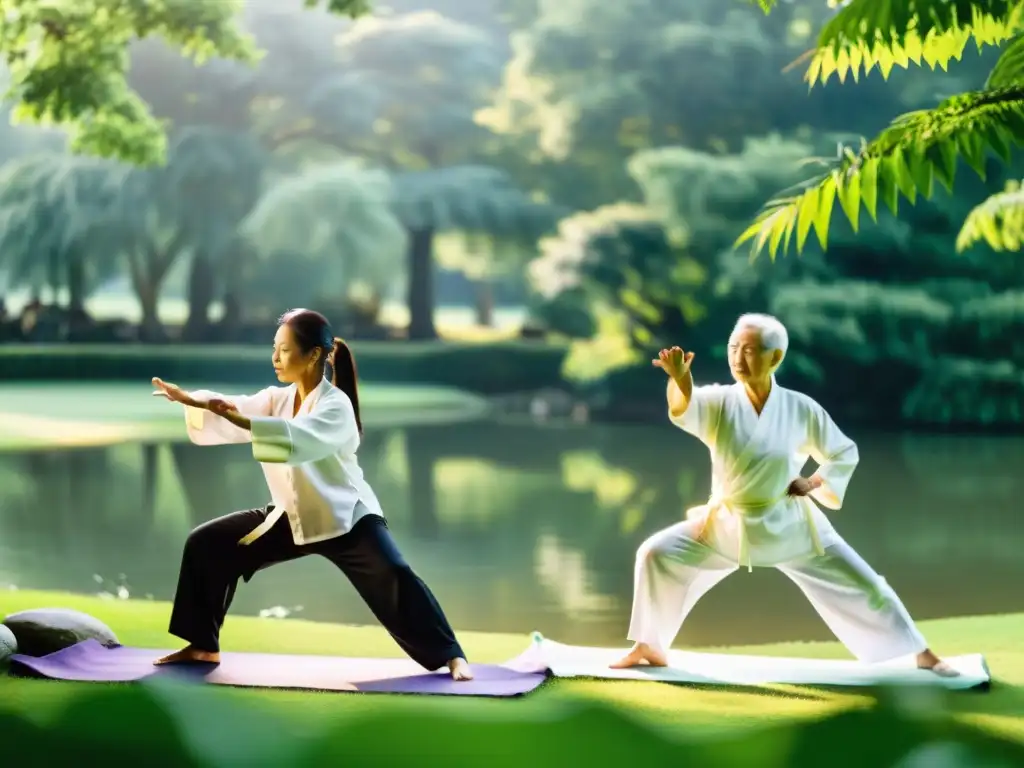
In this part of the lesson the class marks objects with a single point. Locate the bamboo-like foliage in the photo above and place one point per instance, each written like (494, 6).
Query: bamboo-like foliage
(999, 222)
(885, 34)
(917, 148)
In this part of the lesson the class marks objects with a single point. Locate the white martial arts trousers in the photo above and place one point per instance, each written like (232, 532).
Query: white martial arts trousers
(674, 570)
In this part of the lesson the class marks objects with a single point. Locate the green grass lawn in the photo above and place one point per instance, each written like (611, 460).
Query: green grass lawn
(713, 710)
(89, 414)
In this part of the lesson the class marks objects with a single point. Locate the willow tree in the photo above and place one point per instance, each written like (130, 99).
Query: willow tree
(190, 207)
(212, 181)
(919, 148)
(323, 234)
(68, 63)
(52, 209)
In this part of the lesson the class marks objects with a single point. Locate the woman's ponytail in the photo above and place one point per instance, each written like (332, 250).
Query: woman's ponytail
(343, 375)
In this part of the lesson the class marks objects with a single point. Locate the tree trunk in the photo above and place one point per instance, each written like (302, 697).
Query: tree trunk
(231, 320)
(150, 329)
(55, 274)
(421, 285)
(200, 297)
(147, 269)
(76, 285)
(484, 303)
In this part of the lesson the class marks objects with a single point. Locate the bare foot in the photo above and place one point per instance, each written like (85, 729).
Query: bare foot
(641, 653)
(189, 655)
(460, 670)
(928, 660)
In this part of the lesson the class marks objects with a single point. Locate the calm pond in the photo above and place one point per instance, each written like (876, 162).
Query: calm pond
(522, 527)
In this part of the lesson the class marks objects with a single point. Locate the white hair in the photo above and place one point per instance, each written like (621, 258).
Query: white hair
(772, 332)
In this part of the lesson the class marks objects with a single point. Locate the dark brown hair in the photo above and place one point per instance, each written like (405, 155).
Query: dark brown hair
(312, 331)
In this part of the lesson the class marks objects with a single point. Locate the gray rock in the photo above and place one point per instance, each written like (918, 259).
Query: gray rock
(47, 630)
(8, 645)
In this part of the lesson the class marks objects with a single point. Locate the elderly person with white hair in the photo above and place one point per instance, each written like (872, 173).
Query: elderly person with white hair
(760, 512)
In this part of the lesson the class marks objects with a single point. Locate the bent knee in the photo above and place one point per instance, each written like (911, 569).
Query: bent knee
(659, 549)
(204, 537)
(388, 569)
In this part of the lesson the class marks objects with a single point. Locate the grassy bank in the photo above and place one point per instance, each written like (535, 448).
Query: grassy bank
(679, 709)
(68, 414)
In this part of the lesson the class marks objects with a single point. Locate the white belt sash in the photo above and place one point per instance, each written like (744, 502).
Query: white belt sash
(716, 503)
(263, 527)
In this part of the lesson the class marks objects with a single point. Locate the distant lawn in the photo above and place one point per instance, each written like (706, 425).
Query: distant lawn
(712, 709)
(91, 414)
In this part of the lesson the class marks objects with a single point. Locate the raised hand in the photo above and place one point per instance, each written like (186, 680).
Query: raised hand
(674, 361)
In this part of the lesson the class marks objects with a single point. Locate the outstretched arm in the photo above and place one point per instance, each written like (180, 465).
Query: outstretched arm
(207, 427)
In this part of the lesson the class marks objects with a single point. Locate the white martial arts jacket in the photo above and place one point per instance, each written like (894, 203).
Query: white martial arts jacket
(754, 458)
(309, 461)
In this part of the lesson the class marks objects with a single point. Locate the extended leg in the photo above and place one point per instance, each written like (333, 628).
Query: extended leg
(212, 561)
(396, 595)
(673, 571)
(860, 607)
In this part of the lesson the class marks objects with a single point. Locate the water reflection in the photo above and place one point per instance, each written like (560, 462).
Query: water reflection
(519, 527)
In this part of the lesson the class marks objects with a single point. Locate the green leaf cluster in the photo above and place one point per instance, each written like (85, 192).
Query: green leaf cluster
(920, 147)
(904, 161)
(68, 61)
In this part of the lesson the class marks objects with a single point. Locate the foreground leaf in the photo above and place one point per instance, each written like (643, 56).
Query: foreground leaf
(902, 162)
(883, 34)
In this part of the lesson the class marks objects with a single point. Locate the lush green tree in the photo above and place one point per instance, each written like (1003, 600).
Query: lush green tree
(917, 149)
(591, 83)
(68, 63)
(297, 48)
(666, 270)
(335, 226)
(401, 92)
(192, 207)
(22, 140)
(50, 208)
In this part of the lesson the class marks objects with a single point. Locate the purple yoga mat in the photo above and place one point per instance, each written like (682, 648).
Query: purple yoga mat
(94, 662)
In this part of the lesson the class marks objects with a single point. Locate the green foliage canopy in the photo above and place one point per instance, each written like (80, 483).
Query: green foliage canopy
(338, 216)
(50, 208)
(918, 148)
(68, 61)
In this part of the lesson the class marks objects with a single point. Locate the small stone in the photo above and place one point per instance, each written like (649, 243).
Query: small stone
(8, 645)
(43, 631)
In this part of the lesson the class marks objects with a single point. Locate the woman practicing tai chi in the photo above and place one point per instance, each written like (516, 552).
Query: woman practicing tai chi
(760, 436)
(305, 435)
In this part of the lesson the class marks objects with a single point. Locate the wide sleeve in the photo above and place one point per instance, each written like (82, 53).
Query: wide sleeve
(704, 412)
(835, 454)
(327, 430)
(206, 428)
